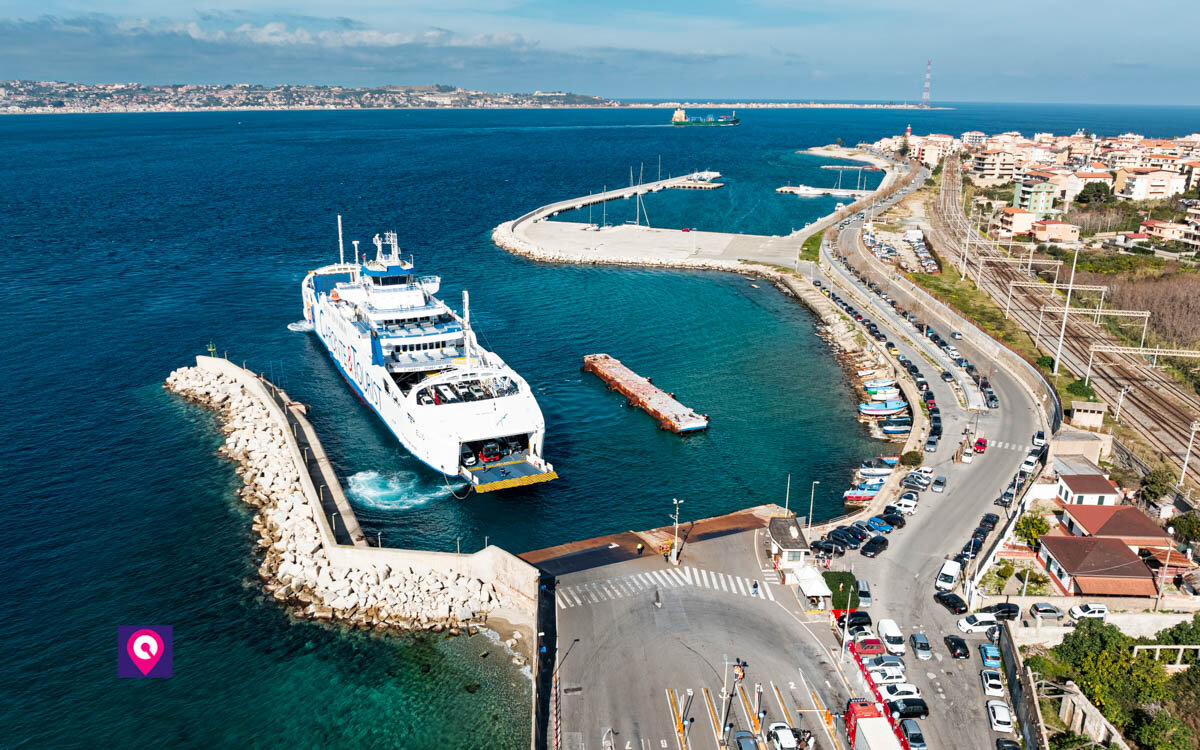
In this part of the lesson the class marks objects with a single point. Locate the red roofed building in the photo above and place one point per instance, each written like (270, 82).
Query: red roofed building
(1048, 230)
(1087, 489)
(1163, 230)
(1095, 566)
(1123, 522)
(1015, 220)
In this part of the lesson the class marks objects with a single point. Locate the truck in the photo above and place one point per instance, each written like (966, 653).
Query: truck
(868, 728)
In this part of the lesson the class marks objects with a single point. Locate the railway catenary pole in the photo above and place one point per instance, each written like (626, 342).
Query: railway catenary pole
(1062, 334)
(1187, 456)
(1120, 398)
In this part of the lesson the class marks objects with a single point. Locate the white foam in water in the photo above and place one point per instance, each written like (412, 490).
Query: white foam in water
(399, 491)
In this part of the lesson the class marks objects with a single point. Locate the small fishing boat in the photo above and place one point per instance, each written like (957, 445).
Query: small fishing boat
(883, 409)
(889, 460)
(880, 383)
(897, 429)
(885, 395)
(859, 496)
(875, 468)
(865, 373)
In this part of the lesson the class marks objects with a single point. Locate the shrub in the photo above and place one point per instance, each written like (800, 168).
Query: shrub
(1004, 572)
(1045, 362)
(912, 458)
(1081, 389)
(1157, 483)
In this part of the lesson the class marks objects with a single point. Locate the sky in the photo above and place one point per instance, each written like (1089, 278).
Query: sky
(1022, 51)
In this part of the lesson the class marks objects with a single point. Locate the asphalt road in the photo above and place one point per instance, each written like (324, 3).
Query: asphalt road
(902, 577)
(620, 655)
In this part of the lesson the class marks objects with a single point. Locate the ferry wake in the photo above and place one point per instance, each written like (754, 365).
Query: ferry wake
(451, 403)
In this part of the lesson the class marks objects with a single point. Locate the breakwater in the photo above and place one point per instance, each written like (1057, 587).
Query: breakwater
(306, 569)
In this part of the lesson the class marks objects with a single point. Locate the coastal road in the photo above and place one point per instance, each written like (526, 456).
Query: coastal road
(902, 577)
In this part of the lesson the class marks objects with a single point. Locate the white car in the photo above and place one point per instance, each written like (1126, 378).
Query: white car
(782, 737)
(1088, 611)
(1029, 464)
(927, 470)
(886, 675)
(1000, 716)
(900, 690)
(893, 639)
(906, 506)
(992, 684)
(978, 622)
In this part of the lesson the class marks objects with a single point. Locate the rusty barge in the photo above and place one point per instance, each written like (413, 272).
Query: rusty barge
(640, 392)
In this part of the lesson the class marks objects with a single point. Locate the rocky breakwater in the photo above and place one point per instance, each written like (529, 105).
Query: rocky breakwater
(295, 568)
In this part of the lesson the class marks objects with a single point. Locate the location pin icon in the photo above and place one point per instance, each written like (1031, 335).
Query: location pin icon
(145, 648)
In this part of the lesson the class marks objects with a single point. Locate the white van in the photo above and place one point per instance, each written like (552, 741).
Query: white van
(947, 577)
(893, 639)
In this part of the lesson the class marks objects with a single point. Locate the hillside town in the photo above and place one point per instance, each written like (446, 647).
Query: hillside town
(55, 97)
(1049, 176)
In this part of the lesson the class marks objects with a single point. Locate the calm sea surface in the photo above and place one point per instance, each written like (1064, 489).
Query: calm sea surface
(132, 241)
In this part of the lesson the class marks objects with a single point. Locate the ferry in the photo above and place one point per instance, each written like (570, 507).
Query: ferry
(452, 404)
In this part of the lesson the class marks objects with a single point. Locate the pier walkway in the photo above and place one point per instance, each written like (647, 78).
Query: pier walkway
(666, 410)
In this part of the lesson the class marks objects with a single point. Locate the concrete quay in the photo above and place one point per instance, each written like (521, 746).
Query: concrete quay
(307, 566)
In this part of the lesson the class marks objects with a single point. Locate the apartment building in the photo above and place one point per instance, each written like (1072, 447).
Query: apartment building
(1036, 197)
(994, 164)
(1051, 230)
(1015, 220)
(1144, 183)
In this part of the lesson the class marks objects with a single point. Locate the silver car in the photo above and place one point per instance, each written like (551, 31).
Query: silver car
(920, 646)
(1046, 611)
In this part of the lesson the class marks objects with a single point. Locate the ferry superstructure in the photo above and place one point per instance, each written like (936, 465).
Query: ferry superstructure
(452, 404)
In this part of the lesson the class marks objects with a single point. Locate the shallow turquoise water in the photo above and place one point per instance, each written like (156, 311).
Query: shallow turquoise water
(132, 241)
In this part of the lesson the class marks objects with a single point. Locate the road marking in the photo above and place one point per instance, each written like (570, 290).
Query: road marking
(741, 585)
(787, 715)
(678, 577)
(687, 574)
(767, 587)
(704, 577)
(561, 602)
(722, 577)
(712, 715)
(747, 709)
(677, 722)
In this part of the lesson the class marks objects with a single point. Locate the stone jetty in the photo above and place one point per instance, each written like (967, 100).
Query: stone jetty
(296, 568)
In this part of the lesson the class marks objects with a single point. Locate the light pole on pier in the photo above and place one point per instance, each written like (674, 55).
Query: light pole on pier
(1126, 389)
(675, 542)
(811, 496)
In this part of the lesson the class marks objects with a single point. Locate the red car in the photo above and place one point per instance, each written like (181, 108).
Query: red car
(869, 647)
(981, 445)
(930, 403)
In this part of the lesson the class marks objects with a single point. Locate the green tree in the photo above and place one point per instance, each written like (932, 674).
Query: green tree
(1090, 636)
(1081, 389)
(1157, 483)
(912, 458)
(1162, 731)
(1187, 527)
(1031, 527)
(1094, 192)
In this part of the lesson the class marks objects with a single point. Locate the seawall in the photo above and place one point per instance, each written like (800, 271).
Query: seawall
(306, 568)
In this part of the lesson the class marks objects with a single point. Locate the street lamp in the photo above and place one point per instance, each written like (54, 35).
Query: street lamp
(1187, 456)
(675, 543)
(812, 494)
(1162, 584)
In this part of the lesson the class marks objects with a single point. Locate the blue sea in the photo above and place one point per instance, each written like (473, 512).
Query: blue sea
(133, 241)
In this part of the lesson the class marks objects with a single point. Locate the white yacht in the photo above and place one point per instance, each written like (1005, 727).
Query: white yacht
(451, 403)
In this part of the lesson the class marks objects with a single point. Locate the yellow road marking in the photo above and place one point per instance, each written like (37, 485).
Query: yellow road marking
(712, 714)
(749, 709)
(676, 719)
(787, 715)
(828, 717)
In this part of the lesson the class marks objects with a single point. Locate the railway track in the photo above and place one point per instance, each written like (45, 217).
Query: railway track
(1157, 407)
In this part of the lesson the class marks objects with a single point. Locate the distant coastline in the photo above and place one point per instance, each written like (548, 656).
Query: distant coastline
(55, 97)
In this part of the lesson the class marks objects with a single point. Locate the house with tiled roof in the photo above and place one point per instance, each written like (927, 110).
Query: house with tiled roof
(1050, 230)
(1087, 489)
(1123, 522)
(1015, 220)
(1095, 566)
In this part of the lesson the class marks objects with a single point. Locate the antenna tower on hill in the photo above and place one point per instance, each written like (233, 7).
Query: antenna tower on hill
(925, 91)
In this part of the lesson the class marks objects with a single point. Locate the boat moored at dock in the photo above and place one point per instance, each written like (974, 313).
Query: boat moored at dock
(452, 404)
(883, 409)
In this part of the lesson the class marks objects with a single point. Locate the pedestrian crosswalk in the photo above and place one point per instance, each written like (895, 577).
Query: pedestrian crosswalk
(592, 592)
(1005, 445)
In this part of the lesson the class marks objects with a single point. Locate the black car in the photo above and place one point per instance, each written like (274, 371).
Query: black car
(875, 546)
(857, 617)
(1003, 744)
(912, 484)
(855, 532)
(935, 431)
(828, 548)
(909, 708)
(980, 533)
(957, 647)
(843, 539)
(1003, 611)
(971, 548)
(989, 521)
(891, 510)
(951, 601)
(895, 520)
